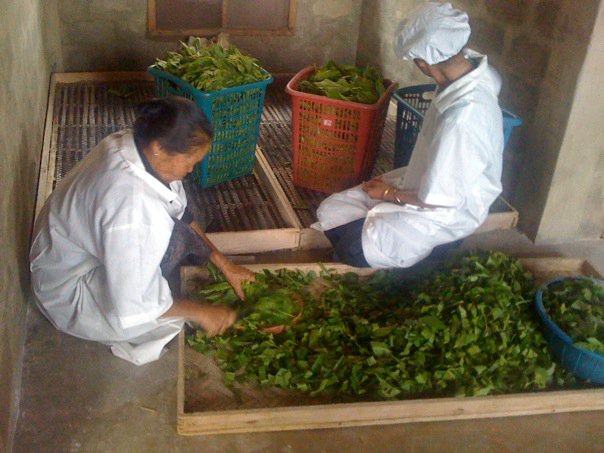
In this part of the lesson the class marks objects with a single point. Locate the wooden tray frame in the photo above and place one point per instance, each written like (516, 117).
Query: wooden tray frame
(294, 237)
(390, 412)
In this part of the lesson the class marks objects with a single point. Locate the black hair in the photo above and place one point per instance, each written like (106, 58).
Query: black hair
(176, 123)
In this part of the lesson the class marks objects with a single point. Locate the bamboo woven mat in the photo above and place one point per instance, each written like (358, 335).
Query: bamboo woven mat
(276, 143)
(86, 112)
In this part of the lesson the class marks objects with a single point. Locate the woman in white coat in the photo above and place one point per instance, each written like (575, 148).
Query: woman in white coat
(115, 228)
(455, 170)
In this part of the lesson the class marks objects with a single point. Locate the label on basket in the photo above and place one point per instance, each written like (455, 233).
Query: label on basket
(328, 121)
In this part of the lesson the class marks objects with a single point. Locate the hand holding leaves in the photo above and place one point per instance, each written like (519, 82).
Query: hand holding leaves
(237, 276)
(214, 319)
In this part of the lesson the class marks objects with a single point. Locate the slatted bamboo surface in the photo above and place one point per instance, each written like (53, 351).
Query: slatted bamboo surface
(86, 107)
(86, 112)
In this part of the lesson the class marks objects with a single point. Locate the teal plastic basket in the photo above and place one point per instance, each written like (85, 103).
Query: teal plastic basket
(235, 114)
(581, 362)
(412, 104)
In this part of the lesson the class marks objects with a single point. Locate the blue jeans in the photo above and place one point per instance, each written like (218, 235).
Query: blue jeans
(347, 243)
(348, 248)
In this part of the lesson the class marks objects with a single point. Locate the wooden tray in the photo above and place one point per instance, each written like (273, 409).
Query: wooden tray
(288, 414)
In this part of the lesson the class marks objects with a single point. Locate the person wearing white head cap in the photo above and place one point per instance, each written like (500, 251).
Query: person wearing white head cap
(433, 33)
(454, 174)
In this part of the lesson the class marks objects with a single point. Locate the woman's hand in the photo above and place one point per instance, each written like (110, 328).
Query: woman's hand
(214, 319)
(236, 276)
(377, 189)
(233, 273)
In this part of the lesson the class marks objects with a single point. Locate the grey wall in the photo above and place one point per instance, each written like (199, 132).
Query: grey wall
(380, 19)
(112, 35)
(30, 49)
(574, 205)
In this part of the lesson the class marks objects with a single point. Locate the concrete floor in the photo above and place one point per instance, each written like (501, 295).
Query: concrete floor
(76, 396)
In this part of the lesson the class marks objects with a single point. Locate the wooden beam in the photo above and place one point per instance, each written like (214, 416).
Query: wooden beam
(265, 172)
(47, 160)
(293, 10)
(214, 31)
(110, 76)
(256, 241)
(225, 9)
(543, 268)
(180, 383)
(151, 16)
(311, 239)
(385, 413)
(546, 268)
(193, 277)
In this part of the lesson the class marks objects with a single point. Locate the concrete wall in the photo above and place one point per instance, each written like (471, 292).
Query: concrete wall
(112, 35)
(538, 47)
(574, 203)
(375, 46)
(30, 49)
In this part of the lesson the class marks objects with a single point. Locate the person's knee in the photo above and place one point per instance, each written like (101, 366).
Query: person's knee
(349, 249)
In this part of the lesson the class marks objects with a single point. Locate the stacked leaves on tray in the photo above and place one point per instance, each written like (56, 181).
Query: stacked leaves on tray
(209, 66)
(466, 329)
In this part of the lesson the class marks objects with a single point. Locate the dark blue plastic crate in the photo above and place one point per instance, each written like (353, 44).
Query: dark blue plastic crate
(235, 114)
(579, 361)
(412, 104)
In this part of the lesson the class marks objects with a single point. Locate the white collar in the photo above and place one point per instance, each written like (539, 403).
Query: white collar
(126, 147)
(462, 86)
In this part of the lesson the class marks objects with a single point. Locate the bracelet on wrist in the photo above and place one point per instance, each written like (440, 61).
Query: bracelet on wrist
(394, 191)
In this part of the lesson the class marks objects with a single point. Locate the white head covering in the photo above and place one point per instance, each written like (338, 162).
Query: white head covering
(434, 32)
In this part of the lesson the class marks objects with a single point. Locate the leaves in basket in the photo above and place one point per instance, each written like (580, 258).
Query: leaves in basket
(208, 66)
(577, 307)
(346, 83)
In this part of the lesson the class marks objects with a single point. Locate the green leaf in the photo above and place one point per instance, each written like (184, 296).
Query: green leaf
(473, 350)
(380, 349)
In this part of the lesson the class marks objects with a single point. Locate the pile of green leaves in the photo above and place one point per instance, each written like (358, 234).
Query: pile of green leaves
(274, 299)
(468, 329)
(577, 307)
(209, 66)
(346, 83)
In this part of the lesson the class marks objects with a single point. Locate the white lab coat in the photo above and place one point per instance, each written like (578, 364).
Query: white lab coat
(97, 248)
(456, 164)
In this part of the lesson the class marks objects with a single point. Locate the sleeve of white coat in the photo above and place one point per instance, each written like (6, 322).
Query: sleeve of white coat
(132, 256)
(459, 159)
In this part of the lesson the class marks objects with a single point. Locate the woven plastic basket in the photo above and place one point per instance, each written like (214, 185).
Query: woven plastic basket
(412, 104)
(579, 361)
(235, 114)
(335, 142)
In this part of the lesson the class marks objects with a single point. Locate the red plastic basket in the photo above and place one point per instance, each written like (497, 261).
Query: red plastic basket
(335, 142)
